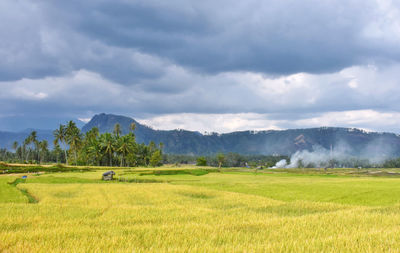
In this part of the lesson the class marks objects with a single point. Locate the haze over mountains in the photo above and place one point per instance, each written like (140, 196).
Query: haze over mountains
(285, 142)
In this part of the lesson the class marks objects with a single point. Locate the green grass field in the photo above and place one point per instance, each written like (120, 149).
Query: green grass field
(200, 210)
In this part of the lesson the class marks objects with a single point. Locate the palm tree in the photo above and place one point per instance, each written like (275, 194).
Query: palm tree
(92, 134)
(15, 146)
(95, 151)
(152, 147)
(73, 137)
(57, 150)
(132, 126)
(70, 127)
(74, 141)
(32, 138)
(25, 152)
(117, 130)
(60, 135)
(43, 146)
(35, 142)
(89, 140)
(125, 146)
(107, 143)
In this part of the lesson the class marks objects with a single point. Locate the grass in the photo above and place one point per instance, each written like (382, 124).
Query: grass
(9, 194)
(210, 212)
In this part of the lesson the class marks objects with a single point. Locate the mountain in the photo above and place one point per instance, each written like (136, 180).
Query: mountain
(7, 138)
(285, 142)
(350, 141)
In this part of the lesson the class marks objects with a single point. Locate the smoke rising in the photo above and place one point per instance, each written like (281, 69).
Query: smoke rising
(340, 155)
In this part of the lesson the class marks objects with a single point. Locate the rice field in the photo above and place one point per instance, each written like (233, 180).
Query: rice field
(199, 212)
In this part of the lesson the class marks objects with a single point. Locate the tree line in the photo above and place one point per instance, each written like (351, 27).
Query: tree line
(73, 147)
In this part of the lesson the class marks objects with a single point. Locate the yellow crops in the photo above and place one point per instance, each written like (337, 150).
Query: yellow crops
(178, 218)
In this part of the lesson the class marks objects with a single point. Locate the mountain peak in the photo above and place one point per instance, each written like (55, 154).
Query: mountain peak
(106, 122)
(284, 142)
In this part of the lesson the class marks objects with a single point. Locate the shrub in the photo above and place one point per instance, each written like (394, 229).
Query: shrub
(201, 161)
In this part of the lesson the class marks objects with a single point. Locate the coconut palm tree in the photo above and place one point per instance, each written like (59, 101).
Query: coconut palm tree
(92, 134)
(95, 151)
(25, 150)
(74, 141)
(89, 140)
(108, 145)
(73, 137)
(15, 146)
(57, 150)
(32, 138)
(132, 126)
(36, 143)
(43, 149)
(125, 145)
(60, 135)
(117, 130)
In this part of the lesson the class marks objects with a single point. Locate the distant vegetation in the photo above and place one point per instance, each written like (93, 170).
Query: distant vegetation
(119, 147)
(73, 147)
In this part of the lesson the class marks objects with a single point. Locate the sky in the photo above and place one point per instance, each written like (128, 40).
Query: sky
(208, 66)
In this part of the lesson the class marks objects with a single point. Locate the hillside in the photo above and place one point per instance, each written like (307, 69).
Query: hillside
(352, 141)
(285, 142)
(7, 138)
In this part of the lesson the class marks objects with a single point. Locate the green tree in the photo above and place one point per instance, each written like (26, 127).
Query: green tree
(15, 146)
(92, 134)
(60, 135)
(221, 160)
(75, 141)
(201, 161)
(95, 151)
(32, 138)
(89, 139)
(43, 150)
(152, 146)
(117, 130)
(155, 159)
(73, 138)
(57, 151)
(132, 127)
(108, 145)
(125, 145)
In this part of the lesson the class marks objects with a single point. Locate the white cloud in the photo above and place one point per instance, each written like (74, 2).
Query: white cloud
(222, 123)
(222, 102)
(366, 119)
(84, 120)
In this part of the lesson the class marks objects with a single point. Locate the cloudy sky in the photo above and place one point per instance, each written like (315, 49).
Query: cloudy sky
(201, 65)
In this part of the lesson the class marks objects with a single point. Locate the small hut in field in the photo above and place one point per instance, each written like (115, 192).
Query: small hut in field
(108, 175)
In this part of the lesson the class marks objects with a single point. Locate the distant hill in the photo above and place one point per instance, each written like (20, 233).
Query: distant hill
(7, 138)
(285, 142)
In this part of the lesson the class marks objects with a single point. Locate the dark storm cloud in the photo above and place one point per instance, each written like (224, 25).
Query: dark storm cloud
(278, 37)
(278, 63)
(274, 37)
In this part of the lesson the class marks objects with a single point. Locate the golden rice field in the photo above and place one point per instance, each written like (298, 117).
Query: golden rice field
(214, 212)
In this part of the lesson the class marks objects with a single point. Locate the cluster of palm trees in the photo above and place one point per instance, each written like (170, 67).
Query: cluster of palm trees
(31, 148)
(91, 148)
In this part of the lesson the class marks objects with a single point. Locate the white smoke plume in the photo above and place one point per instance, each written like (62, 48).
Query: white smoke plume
(338, 156)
